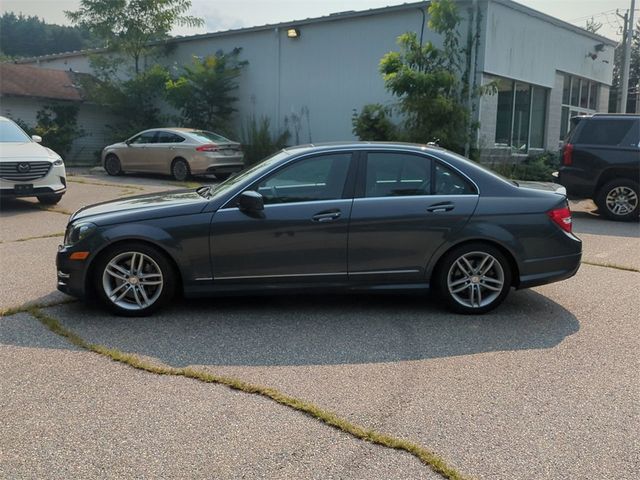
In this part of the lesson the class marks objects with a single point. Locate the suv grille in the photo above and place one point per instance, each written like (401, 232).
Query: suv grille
(23, 171)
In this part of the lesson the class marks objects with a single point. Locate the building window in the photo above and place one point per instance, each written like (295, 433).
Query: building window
(579, 97)
(521, 115)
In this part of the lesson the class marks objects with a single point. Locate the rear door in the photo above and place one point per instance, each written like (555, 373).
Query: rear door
(163, 151)
(406, 206)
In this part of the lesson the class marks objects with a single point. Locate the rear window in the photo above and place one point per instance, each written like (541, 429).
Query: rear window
(611, 132)
(207, 137)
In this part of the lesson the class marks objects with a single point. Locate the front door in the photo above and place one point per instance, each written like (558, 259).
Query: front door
(135, 156)
(407, 206)
(302, 233)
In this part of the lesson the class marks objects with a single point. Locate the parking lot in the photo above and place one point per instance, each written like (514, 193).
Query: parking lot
(545, 387)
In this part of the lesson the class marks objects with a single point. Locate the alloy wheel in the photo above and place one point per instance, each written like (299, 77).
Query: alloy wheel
(475, 279)
(621, 200)
(132, 281)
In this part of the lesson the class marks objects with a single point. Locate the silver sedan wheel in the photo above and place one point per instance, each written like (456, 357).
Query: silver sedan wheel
(622, 200)
(132, 281)
(475, 279)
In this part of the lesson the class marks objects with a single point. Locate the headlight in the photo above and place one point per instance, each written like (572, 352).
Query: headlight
(58, 162)
(78, 232)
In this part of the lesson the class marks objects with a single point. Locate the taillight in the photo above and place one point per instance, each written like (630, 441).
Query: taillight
(207, 147)
(567, 154)
(561, 217)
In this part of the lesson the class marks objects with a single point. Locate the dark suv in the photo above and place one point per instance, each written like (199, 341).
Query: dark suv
(601, 161)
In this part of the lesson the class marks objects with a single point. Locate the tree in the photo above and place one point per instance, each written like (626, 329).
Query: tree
(429, 82)
(592, 26)
(57, 124)
(131, 27)
(204, 90)
(135, 103)
(634, 73)
(22, 36)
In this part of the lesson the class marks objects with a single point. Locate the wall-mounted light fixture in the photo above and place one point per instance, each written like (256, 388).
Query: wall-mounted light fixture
(293, 33)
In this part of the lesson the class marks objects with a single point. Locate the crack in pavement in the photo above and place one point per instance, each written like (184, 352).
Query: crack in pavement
(428, 458)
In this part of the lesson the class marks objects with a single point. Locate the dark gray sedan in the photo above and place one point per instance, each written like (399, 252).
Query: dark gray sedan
(358, 216)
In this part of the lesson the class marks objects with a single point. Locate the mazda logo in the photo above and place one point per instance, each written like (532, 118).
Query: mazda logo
(24, 167)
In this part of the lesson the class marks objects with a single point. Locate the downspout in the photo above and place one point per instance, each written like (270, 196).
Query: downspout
(279, 72)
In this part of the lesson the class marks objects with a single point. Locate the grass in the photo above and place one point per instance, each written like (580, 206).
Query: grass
(612, 265)
(103, 184)
(50, 235)
(428, 458)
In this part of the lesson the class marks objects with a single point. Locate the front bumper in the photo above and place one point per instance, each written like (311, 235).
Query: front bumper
(53, 183)
(71, 274)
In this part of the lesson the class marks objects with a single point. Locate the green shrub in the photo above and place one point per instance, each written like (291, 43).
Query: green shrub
(257, 141)
(373, 123)
(538, 168)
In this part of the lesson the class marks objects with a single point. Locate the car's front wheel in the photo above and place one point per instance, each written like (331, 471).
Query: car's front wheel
(474, 278)
(112, 165)
(180, 170)
(50, 199)
(134, 279)
(619, 200)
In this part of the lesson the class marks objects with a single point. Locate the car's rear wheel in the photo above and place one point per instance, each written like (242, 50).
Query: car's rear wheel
(112, 165)
(180, 170)
(49, 199)
(619, 199)
(134, 279)
(474, 278)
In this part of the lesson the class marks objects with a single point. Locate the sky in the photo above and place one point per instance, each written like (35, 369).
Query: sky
(227, 14)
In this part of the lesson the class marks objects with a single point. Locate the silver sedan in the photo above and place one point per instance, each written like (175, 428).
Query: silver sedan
(180, 152)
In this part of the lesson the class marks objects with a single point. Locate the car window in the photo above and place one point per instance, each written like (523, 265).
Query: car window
(397, 174)
(312, 179)
(449, 182)
(144, 138)
(168, 137)
(605, 131)
(208, 137)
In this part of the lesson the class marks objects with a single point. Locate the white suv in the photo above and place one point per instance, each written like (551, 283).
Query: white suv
(28, 169)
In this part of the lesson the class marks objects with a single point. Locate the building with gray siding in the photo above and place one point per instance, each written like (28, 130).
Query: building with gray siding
(546, 70)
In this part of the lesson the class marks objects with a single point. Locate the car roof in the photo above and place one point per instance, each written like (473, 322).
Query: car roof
(364, 146)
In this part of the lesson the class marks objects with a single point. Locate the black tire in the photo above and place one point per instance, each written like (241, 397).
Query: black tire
(127, 306)
(486, 284)
(222, 176)
(180, 170)
(50, 199)
(112, 165)
(619, 200)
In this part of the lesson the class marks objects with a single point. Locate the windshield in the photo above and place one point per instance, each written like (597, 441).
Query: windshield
(10, 132)
(256, 169)
(208, 137)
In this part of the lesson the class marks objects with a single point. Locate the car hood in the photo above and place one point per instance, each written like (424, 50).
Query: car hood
(12, 151)
(143, 207)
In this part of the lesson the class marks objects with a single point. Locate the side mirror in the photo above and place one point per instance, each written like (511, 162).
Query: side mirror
(251, 202)
(36, 138)
(127, 143)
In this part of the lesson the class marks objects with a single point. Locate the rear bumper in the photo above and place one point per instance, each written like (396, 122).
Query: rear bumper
(541, 271)
(578, 182)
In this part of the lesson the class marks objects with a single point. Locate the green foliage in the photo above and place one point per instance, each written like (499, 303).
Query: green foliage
(203, 93)
(258, 142)
(374, 124)
(534, 168)
(130, 26)
(27, 36)
(134, 102)
(426, 79)
(57, 124)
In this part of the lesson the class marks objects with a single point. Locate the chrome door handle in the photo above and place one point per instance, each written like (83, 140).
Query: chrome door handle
(328, 216)
(441, 207)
